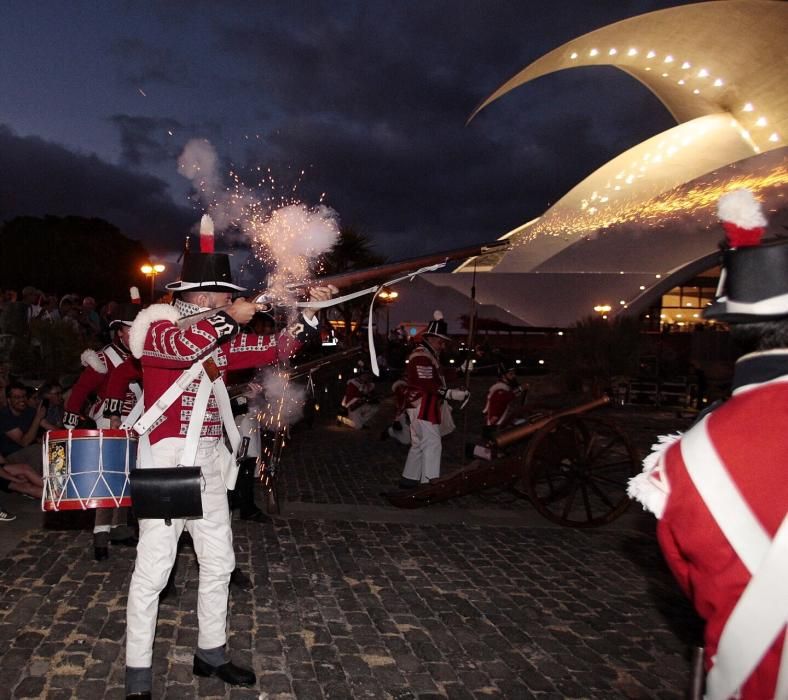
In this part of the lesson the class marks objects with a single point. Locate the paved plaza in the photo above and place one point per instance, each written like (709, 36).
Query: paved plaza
(474, 598)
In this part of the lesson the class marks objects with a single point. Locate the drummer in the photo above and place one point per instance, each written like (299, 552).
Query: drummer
(87, 401)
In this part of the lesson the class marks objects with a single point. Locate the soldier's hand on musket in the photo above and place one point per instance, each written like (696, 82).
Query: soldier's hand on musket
(241, 311)
(319, 294)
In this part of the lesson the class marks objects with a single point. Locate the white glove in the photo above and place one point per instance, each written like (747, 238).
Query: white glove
(461, 395)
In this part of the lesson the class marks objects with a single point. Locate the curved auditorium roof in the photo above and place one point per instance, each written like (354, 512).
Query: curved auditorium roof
(720, 68)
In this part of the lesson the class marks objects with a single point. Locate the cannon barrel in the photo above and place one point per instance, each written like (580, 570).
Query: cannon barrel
(523, 431)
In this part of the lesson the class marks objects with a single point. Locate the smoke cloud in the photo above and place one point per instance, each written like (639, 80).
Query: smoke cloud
(200, 163)
(278, 401)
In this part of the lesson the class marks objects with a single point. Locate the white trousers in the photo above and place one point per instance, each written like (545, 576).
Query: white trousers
(158, 547)
(424, 456)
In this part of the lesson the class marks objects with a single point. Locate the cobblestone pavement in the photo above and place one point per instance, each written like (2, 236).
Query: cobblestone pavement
(346, 605)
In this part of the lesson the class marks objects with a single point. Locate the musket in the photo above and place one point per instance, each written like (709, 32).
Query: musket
(410, 268)
(303, 369)
(345, 279)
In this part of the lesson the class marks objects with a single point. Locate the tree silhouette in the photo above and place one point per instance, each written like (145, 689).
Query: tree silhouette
(596, 350)
(70, 254)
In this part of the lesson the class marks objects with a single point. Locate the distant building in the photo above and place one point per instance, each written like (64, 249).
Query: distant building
(640, 233)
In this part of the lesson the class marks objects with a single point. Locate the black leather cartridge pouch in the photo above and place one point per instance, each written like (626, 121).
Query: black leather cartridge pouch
(166, 493)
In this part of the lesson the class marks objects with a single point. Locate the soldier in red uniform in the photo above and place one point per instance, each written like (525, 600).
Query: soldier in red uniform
(720, 490)
(88, 399)
(187, 411)
(503, 398)
(426, 393)
(358, 399)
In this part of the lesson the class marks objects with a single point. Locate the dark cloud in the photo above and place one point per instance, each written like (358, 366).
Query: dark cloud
(370, 99)
(50, 179)
(147, 140)
(141, 63)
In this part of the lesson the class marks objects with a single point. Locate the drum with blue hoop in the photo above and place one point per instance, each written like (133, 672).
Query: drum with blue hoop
(88, 469)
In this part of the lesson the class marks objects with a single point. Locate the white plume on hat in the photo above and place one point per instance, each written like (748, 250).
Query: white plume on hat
(741, 208)
(742, 218)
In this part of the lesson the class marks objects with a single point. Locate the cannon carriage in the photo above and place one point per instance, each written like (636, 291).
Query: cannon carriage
(572, 466)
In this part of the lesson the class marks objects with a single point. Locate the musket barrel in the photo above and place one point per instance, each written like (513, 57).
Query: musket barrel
(382, 271)
(379, 272)
(523, 431)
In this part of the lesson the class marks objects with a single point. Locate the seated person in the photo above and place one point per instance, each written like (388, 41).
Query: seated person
(51, 396)
(503, 400)
(19, 425)
(358, 400)
(20, 478)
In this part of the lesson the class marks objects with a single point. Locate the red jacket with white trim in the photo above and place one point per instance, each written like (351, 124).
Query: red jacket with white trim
(357, 393)
(749, 434)
(425, 384)
(499, 398)
(119, 399)
(88, 393)
(165, 351)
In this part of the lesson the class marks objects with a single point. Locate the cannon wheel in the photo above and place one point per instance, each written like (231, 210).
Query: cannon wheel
(576, 471)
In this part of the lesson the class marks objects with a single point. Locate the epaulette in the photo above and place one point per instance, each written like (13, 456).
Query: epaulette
(90, 358)
(145, 318)
(651, 488)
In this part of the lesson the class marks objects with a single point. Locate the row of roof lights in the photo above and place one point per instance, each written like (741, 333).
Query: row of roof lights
(702, 73)
(666, 148)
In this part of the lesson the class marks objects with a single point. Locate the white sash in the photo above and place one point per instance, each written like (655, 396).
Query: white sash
(187, 377)
(112, 355)
(761, 613)
(138, 408)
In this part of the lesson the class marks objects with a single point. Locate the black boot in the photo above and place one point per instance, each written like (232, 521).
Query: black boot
(244, 493)
(100, 545)
(239, 580)
(228, 672)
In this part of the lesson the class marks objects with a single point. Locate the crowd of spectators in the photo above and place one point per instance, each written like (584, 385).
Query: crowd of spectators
(32, 394)
(82, 314)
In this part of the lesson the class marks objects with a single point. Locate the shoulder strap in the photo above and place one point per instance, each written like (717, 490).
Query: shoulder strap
(722, 497)
(144, 424)
(113, 356)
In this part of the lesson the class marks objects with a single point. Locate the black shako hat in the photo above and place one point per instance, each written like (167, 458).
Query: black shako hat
(206, 271)
(438, 326)
(126, 313)
(506, 367)
(753, 284)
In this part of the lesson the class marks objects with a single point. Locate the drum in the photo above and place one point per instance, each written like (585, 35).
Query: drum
(88, 469)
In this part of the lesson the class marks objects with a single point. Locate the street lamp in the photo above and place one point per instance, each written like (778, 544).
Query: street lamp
(152, 271)
(388, 298)
(603, 310)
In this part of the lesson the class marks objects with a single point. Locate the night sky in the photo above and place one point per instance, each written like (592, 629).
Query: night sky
(363, 102)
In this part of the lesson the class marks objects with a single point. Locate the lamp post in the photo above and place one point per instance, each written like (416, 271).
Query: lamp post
(388, 298)
(151, 271)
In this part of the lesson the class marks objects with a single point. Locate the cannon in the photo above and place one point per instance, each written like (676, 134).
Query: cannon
(573, 467)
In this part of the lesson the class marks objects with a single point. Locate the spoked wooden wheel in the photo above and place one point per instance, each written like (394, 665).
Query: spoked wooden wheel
(576, 471)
